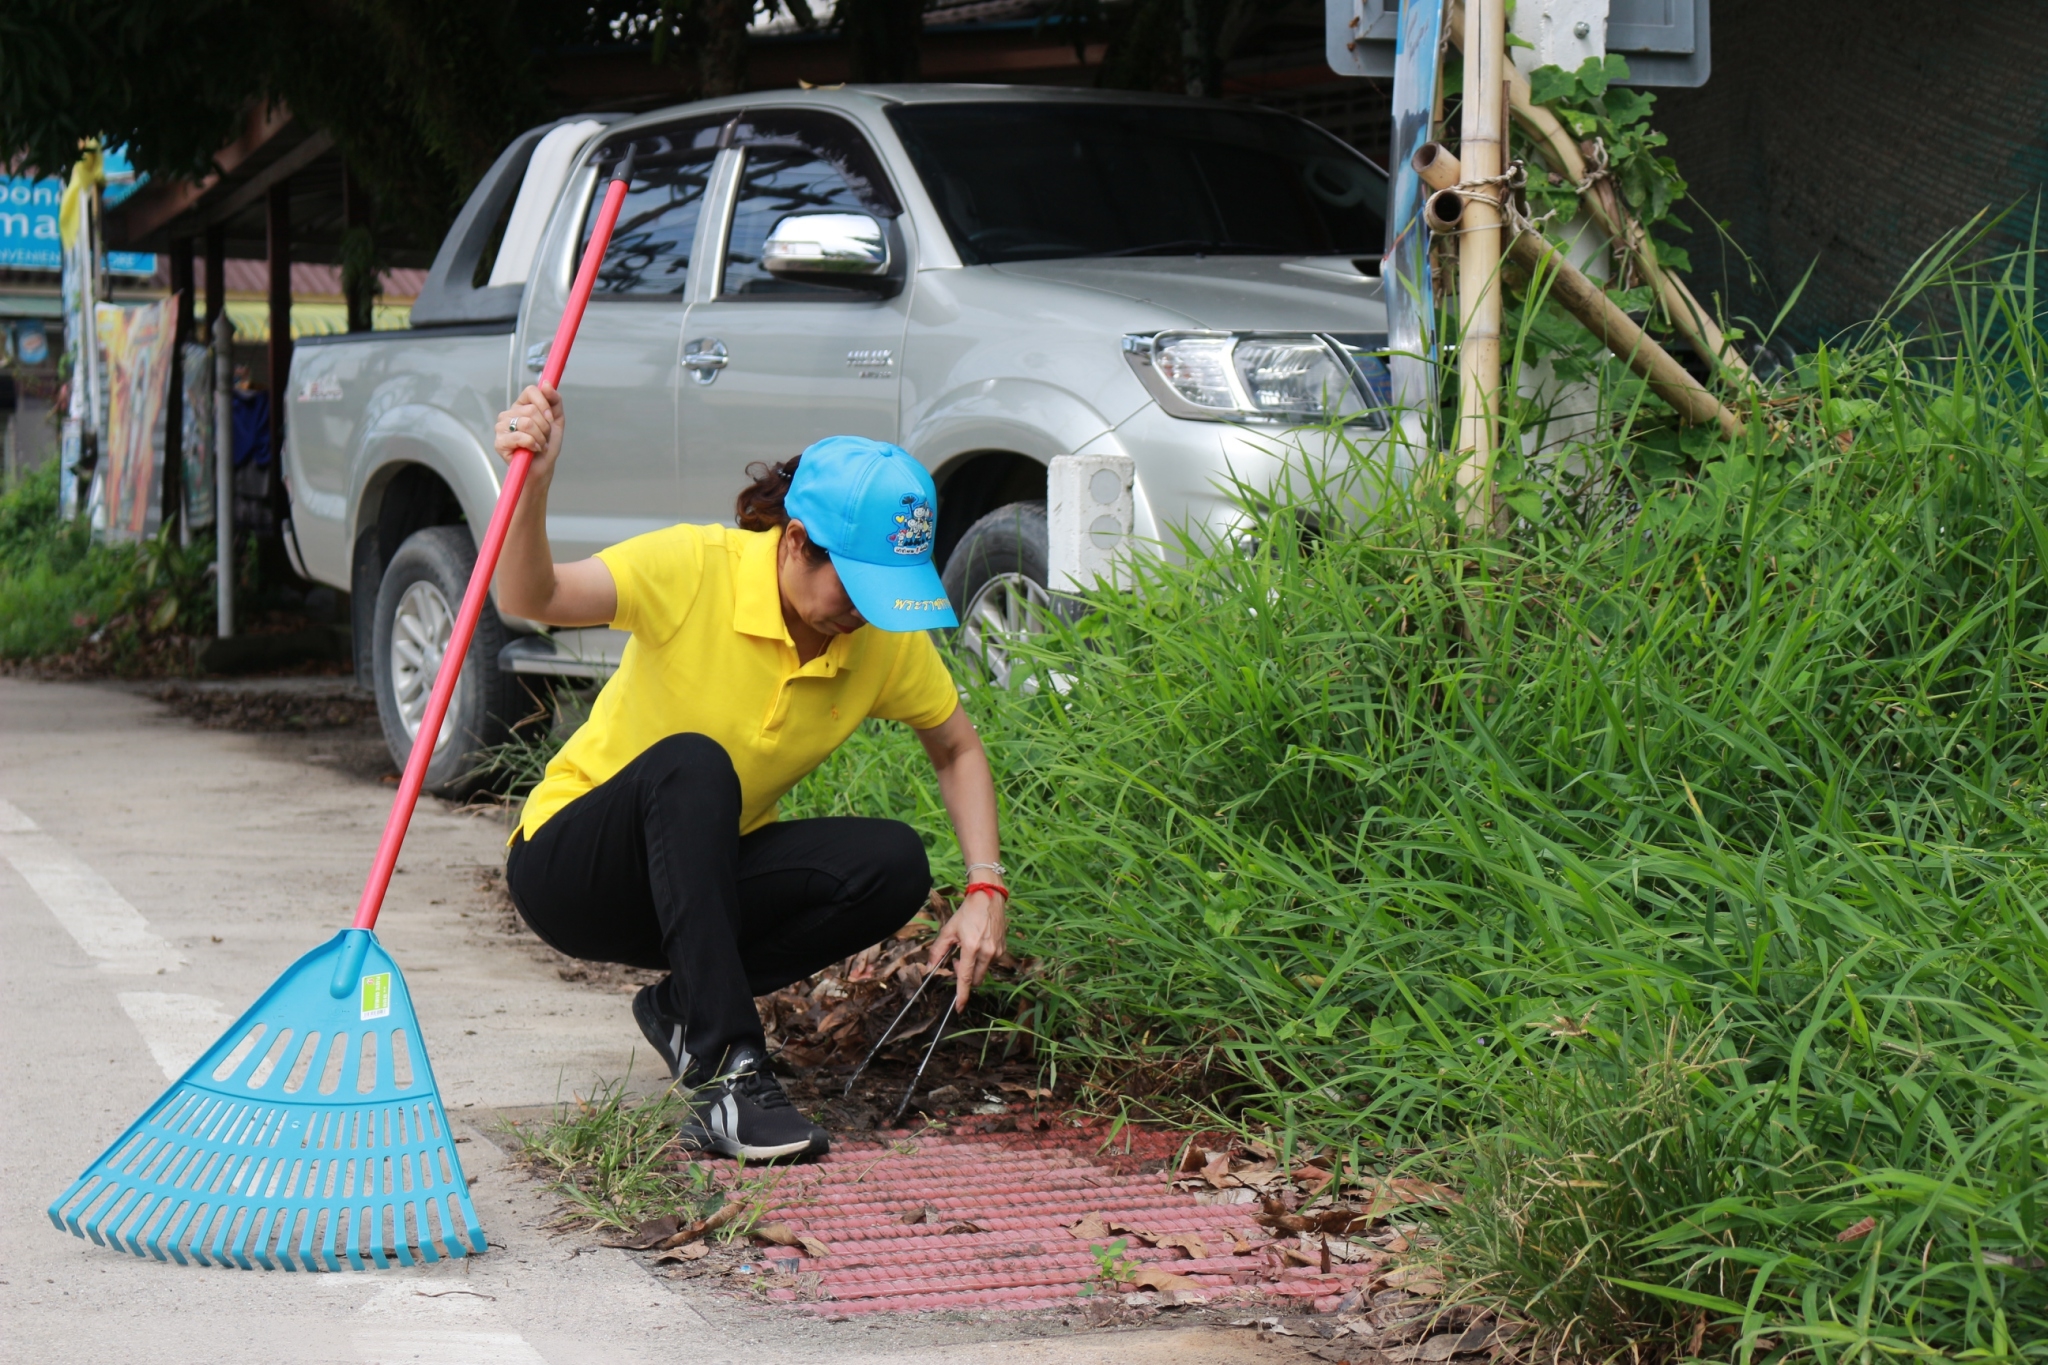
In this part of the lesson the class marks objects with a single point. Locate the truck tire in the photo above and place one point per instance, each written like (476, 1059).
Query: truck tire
(996, 580)
(417, 600)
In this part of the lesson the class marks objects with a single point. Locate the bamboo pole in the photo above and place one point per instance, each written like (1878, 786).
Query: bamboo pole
(1595, 309)
(1560, 152)
(1479, 256)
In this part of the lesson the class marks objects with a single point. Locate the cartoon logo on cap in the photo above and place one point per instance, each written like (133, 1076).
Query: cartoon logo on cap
(913, 533)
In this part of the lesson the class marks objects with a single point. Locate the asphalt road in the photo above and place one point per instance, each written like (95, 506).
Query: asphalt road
(155, 877)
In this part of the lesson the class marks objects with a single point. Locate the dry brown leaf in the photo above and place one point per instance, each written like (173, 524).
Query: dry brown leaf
(1313, 1180)
(1856, 1230)
(923, 1215)
(1425, 1192)
(1296, 1256)
(1416, 1279)
(717, 1220)
(1092, 1228)
(647, 1235)
(812, 1247)
(695, 1251)
(1152, 1277)
(1442, 1346)
(965, 1227)
(1189, 1242)
(1216, 1169)
(1350, 1252)
(1230, 1196)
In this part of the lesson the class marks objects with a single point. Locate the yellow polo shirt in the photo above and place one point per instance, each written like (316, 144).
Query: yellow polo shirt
(710, 655)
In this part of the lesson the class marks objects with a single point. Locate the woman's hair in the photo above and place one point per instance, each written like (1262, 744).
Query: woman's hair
(759, 505)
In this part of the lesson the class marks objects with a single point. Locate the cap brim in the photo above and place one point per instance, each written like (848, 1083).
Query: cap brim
(898, 597)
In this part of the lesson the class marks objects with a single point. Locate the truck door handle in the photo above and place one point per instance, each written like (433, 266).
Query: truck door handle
(537, 357)
(704, 358)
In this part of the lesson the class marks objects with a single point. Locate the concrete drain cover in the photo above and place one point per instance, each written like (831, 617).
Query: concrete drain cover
(989, 1222)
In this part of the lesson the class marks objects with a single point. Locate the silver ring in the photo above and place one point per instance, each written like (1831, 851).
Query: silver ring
(512, 425)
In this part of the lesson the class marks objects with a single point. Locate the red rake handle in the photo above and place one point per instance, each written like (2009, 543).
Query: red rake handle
(486, 565)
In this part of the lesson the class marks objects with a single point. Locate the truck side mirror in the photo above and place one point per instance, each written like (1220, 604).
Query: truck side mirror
(849, 249)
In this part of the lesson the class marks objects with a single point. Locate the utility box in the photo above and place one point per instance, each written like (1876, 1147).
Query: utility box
(1089, 521)
(1665, 41)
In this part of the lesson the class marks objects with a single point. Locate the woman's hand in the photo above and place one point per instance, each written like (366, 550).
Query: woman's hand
(534, 422)
(529, 582)
(977, 929)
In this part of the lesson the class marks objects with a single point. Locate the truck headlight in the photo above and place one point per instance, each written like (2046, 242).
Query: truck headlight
(1296, 378)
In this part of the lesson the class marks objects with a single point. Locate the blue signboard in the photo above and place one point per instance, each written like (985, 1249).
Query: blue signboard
(28, 220)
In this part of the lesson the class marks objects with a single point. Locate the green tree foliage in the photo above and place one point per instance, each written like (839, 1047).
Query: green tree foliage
(419, 96)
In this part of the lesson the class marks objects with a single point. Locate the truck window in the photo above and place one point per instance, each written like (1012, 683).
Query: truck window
(650, 251)
(798, 161)
(1031, 180)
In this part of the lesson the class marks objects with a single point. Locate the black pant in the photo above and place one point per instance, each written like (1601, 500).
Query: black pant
(650, 869)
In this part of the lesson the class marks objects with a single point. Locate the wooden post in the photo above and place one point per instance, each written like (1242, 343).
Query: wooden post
(1594, 308)
(174, 397)
(355, 213)
(277, 222)
(1560, 151)
(216, 275)
(223, 477)
(1479, 255)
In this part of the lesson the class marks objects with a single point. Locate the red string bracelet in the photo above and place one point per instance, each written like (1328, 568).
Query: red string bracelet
(990, 887)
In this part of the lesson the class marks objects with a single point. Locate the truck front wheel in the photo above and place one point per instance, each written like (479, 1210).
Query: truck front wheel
(996, 580)
(417, 600)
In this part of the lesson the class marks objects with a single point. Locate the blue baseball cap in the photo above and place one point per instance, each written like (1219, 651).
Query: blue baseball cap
(875, 510)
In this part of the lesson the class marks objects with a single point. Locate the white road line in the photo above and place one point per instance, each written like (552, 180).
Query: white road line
(443, 1346)
(91, 910)
(177, 1028)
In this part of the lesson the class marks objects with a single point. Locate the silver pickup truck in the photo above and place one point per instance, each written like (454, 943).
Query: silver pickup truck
(990, 276)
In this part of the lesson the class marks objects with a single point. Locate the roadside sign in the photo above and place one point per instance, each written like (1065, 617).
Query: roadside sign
(1665, 41)
(28, 220)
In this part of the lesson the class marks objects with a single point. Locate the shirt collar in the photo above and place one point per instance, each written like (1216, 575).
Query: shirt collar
(757, 605)
(756, 596)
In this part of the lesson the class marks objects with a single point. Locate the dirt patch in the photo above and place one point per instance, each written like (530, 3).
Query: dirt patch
(270, 709)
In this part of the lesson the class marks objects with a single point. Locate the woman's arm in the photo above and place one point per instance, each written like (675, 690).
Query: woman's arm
(529, 582)
(979, 926)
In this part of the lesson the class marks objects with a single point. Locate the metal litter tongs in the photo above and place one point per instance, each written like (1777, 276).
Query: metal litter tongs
(890, 1032)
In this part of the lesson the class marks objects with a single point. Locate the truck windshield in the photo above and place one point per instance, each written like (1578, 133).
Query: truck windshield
(1031, 181)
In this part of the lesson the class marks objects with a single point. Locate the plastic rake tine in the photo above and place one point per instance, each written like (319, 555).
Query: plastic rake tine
(890, 1031)
(311, 1135)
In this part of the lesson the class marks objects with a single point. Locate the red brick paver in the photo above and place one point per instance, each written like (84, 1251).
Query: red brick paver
(1019, 1193)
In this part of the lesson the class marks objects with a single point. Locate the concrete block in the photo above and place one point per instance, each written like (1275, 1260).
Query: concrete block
(1089, 520)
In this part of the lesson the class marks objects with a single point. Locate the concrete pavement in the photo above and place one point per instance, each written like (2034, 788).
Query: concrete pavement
(154, 879)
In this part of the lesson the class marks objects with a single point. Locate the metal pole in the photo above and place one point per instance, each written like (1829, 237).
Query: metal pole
(224, 476)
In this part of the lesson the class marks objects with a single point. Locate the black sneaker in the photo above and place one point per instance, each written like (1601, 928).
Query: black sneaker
(743, 1113)
(663, 1030)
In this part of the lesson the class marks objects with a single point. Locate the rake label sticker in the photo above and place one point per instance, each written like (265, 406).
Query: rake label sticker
(377, 996)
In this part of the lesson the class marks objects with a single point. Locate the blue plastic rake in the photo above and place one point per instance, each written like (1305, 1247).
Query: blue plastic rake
(310, 1137)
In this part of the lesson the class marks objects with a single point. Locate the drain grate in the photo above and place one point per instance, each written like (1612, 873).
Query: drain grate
(993, 1217)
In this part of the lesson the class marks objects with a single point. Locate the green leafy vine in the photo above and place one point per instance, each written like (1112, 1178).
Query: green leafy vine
(1593, 104)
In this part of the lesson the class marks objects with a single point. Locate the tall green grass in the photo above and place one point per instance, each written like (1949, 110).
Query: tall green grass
(1673, 868)
(58, 585)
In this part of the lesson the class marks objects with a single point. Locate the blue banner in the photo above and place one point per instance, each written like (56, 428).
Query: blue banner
(28, 220)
